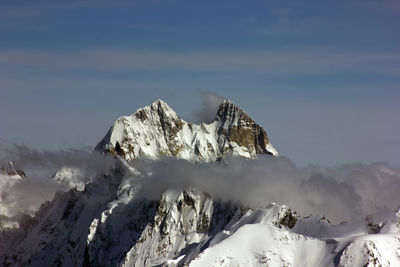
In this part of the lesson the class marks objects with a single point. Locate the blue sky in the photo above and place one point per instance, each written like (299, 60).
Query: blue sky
(322, 77)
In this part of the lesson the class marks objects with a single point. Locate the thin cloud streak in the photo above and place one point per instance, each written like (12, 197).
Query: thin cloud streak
(29, 9)
(290, 61)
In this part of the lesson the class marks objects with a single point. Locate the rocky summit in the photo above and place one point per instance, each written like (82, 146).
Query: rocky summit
(11, 170)
(157, 130)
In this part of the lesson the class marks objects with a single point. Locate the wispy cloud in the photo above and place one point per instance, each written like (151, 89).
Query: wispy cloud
(346, 192)
(209, 108)
(297, 61)
(46, 5)
(26, 195)
(11, 11)
(387, 5)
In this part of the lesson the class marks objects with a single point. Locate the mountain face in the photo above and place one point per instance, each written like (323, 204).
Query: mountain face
(11, 170)
(107, 222)
(157, 130)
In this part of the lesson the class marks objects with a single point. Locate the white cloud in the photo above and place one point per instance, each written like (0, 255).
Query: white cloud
(210, 104)
(27, 194)
(346, 192)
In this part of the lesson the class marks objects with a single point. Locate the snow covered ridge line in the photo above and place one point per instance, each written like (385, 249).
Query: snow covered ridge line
(157, 130)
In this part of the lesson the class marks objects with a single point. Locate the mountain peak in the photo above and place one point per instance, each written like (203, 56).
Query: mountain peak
(241, 129)
(158, 107)
(157, 130)
(228, 110)
(228, 102)
(11, 170)
(161, 105)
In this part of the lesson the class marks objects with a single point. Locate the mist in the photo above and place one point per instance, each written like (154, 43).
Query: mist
(342, 193)
(25, 195)
(209, 108)
(346, 192)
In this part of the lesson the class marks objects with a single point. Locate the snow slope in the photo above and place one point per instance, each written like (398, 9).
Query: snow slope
(263, 244)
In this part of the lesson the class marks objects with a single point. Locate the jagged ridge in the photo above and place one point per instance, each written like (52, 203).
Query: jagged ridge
(157, 130)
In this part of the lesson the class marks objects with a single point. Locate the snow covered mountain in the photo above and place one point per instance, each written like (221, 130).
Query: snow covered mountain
(111, 222)
(11, 170)
(156, 130)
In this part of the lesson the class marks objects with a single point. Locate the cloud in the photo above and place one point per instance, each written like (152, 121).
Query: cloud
(343, 193)
(24, 195)
(27, 9)
(347, 192)
(33, 160)
(388, 6)
(18, 196)
(295, 61)
(210, 104)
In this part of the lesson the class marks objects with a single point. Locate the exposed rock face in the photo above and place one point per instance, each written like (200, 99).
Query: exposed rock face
(235, 127)
(156, 130)
(11, 170)
(181, 219)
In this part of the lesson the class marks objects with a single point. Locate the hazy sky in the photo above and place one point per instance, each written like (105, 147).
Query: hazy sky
(322, 77)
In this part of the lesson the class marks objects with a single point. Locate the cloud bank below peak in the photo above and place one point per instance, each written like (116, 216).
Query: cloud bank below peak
(347, 192)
